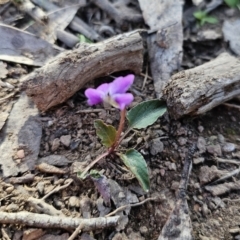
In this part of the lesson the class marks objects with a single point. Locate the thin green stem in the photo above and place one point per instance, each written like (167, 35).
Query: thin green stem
(94, 162)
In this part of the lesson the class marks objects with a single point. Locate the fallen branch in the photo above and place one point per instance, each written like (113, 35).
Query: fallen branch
(46, 221)
(119, 11)
(197, 90)
(68, 72)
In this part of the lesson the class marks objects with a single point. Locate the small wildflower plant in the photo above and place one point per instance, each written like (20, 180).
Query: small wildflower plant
(139, 117)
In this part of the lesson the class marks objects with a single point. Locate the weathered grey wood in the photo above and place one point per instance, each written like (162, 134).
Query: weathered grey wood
(68, 72)
(22, 131)
(197, 90)
(178, 225)
(165, 39)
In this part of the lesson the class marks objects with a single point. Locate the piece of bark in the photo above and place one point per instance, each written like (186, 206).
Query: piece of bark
(165, 39)
(178, 225)
(207, 174)
(76, 24)
(46, 221)
(197, 90)
(29, 8)
(67, 38)
(70, 71)
(231, 33)
(23, 47)
(119, 11)
(59, 19)
(22, 131)
(223, 188)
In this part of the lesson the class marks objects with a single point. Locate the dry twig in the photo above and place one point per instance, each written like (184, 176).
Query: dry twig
(46, 221)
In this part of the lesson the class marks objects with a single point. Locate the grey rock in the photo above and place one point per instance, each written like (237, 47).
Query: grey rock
(215, 149)
(198, 160)
(156, 146)
(23, 130)
(182, 141)
(200, 128)
(65, 140)
(55, 160)
(55, 144)
(228, 147)
(221, 138)
(201, 145)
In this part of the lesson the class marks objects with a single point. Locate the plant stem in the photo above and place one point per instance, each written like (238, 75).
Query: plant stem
(120, 129)
(94, 162)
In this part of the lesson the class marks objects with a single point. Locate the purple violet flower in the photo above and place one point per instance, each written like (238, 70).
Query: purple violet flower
(113, 93)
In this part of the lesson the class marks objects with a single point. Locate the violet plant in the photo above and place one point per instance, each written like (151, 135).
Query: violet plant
(141, 116)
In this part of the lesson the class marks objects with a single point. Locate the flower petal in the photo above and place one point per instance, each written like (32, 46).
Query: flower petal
(104, 88)
(121, 84)
(94, 96)
(123, 99)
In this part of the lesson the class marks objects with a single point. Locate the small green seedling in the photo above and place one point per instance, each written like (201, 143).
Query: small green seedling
(203, 18)
(139, 117)
(233, 3)
(83, 39)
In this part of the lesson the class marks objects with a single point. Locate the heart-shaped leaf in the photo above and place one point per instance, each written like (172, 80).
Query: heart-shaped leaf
(138, 166)
(107, 133)
(146, 113)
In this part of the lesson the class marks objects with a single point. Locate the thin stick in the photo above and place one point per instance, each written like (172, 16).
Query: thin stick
(131, 205)
(142, 74)
(57, 189)
(94, 162)
(94, 110)
(231, 105)
(227, 160)
(46, 221)
(145, 78)
(76, 232)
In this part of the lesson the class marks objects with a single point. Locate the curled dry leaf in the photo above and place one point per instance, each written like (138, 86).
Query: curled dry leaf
(47, 168)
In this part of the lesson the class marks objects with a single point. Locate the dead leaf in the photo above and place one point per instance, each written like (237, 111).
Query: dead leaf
(22, 47)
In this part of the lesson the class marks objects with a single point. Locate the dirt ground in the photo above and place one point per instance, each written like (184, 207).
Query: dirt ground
(68, 131)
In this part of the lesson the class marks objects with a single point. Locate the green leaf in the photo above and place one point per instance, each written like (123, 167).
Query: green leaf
(107, 133)
(146, 113)
(232, 3)
(83, 39)
(137, 165)
(211, 20)
(199, 15)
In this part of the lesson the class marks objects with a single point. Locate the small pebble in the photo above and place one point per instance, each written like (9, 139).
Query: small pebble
(55, 144)
(198, 160)
(201, 144)
(143, 230)
(215, 149)
(182, 141)
(200, 128)
(74, 202)
(65, 140)
(229, 147)
(20, 153)
(221, 138)
(9, 189)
